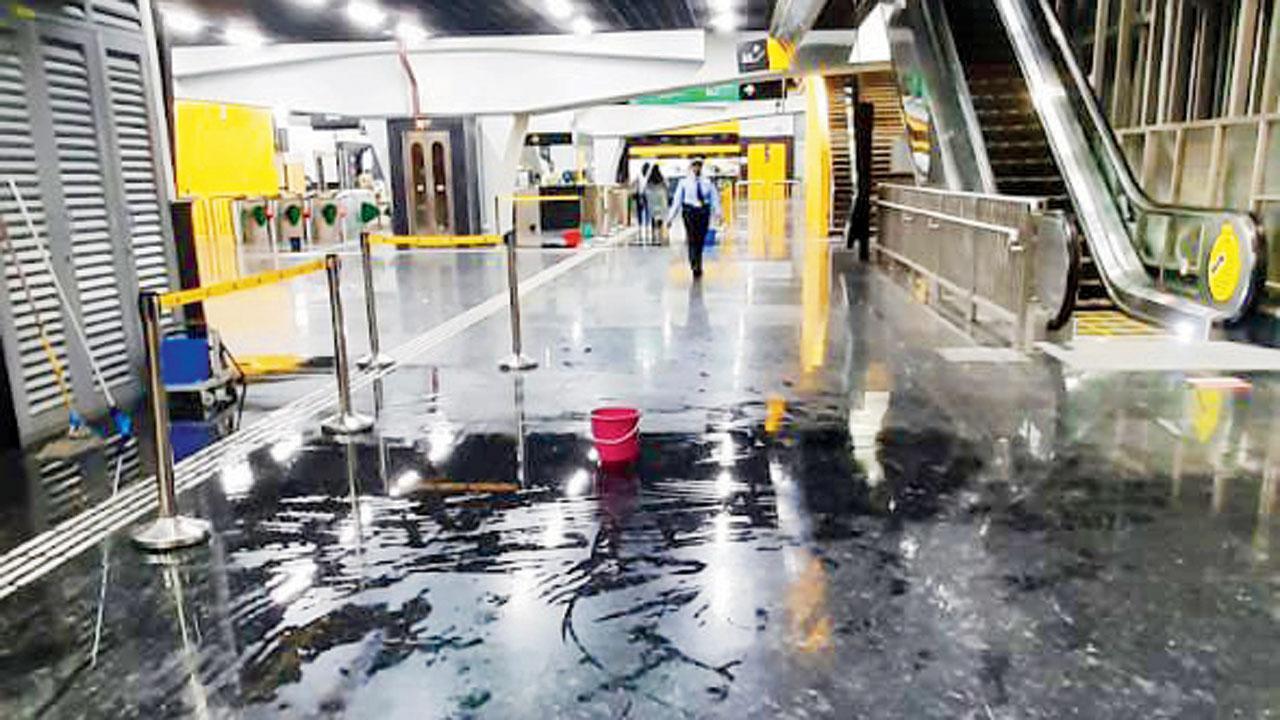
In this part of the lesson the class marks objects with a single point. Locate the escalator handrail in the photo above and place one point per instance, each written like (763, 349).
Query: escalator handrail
(1115, 157)
(963, 95)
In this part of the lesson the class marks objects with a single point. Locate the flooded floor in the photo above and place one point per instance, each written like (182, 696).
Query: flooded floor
(831, 516)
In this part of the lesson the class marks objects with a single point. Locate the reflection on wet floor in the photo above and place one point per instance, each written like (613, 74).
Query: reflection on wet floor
(845, 527)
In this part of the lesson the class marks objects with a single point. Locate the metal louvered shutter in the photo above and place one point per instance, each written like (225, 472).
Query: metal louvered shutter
(80, 171)
(138, 170)
(18, 162)
(64, 490)
(117, 13)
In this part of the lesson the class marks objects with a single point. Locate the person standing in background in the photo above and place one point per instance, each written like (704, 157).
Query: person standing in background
(642, 209)
(698, 201)
(655, 198)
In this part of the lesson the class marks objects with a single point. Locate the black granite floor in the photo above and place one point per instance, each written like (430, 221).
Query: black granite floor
(829, 518)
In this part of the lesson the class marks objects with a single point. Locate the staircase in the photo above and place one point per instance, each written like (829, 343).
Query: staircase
(839, 114)
(879, 88)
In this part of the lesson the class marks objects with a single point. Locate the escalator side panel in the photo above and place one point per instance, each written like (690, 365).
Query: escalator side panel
(1097, 210)
(947, 149)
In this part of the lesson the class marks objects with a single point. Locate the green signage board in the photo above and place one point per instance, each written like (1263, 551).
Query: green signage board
(714, 93)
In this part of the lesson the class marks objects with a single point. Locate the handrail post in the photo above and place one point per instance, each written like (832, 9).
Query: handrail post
(1020, 259)
(517, 360)
(169, 531)
(376, 359)
(346, 422)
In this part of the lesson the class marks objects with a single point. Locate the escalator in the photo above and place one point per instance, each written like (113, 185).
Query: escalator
(1012, 114)
(1018, 151)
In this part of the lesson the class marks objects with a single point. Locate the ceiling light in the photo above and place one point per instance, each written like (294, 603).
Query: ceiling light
(582, 26)
(720, 6)
(182, 21)
(559, 9)
(410, 32)
(725, 22)
(366, 14)
(244, 36)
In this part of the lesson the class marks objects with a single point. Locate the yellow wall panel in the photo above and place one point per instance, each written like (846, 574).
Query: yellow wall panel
(728, 127)
(642, 151)
(222, 151)
(225, 150)
(817, 159)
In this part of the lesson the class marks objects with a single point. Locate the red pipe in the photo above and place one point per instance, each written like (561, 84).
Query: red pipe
(415, 98)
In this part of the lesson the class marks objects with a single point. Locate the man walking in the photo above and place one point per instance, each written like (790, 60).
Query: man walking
(698, 201)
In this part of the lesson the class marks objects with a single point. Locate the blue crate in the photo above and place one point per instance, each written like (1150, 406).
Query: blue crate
(185, 361)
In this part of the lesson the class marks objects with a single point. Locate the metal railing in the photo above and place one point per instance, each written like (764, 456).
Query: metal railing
(976, 251)
(170, 530)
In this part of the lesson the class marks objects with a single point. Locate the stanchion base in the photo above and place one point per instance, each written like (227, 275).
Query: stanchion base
(348, 424)
(173, 533)
(517, 363)
(381, 361)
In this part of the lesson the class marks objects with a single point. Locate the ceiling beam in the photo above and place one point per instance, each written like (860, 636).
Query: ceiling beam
(793, 19)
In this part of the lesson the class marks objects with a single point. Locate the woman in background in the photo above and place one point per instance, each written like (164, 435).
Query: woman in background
(655, 194)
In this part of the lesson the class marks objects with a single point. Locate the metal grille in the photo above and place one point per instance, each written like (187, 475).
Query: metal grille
(138, 171)
(18, 163)
(64, 490)
(74, 8)
(83, 186)
(117, 13)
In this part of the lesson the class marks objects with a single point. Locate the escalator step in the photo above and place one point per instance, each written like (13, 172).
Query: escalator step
(1023, 161)
(1000, 132)
(1094, 304)
(1036, 147)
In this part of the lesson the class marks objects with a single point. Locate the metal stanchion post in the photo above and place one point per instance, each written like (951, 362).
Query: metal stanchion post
(346, 422)
(376, 359)
(517, 361)
(169, 531)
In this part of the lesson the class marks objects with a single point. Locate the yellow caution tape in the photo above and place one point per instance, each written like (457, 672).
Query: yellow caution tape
(168, 301)
(436, 241)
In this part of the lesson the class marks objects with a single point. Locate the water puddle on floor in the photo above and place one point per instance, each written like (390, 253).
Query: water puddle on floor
(876, 560)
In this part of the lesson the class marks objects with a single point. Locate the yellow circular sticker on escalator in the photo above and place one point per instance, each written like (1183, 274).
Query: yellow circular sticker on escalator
(1224, 265)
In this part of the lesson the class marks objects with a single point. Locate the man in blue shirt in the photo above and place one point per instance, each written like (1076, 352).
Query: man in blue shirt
(698, 201)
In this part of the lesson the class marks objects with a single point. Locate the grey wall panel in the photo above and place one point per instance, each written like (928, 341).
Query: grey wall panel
(84, 190)
(34, 387)
(78, 135)
(133, 130)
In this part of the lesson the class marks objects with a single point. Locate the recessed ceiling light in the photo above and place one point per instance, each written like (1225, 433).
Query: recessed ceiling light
(582, 26)
(366, 14)
(410, 32)
(725, 22)
(559, 9)
(182, 21)
(244, 36)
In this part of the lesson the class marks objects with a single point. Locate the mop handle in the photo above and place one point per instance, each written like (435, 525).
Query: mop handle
(62, 295)
(59, 372)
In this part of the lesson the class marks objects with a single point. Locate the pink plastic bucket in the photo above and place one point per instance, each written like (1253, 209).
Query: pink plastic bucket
(617, 434)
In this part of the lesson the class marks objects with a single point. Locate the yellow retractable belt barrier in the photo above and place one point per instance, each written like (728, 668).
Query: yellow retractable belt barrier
(168, 301)
(436, 241)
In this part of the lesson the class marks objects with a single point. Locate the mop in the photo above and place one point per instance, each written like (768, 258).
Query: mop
(119, 418)
(78, 439)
